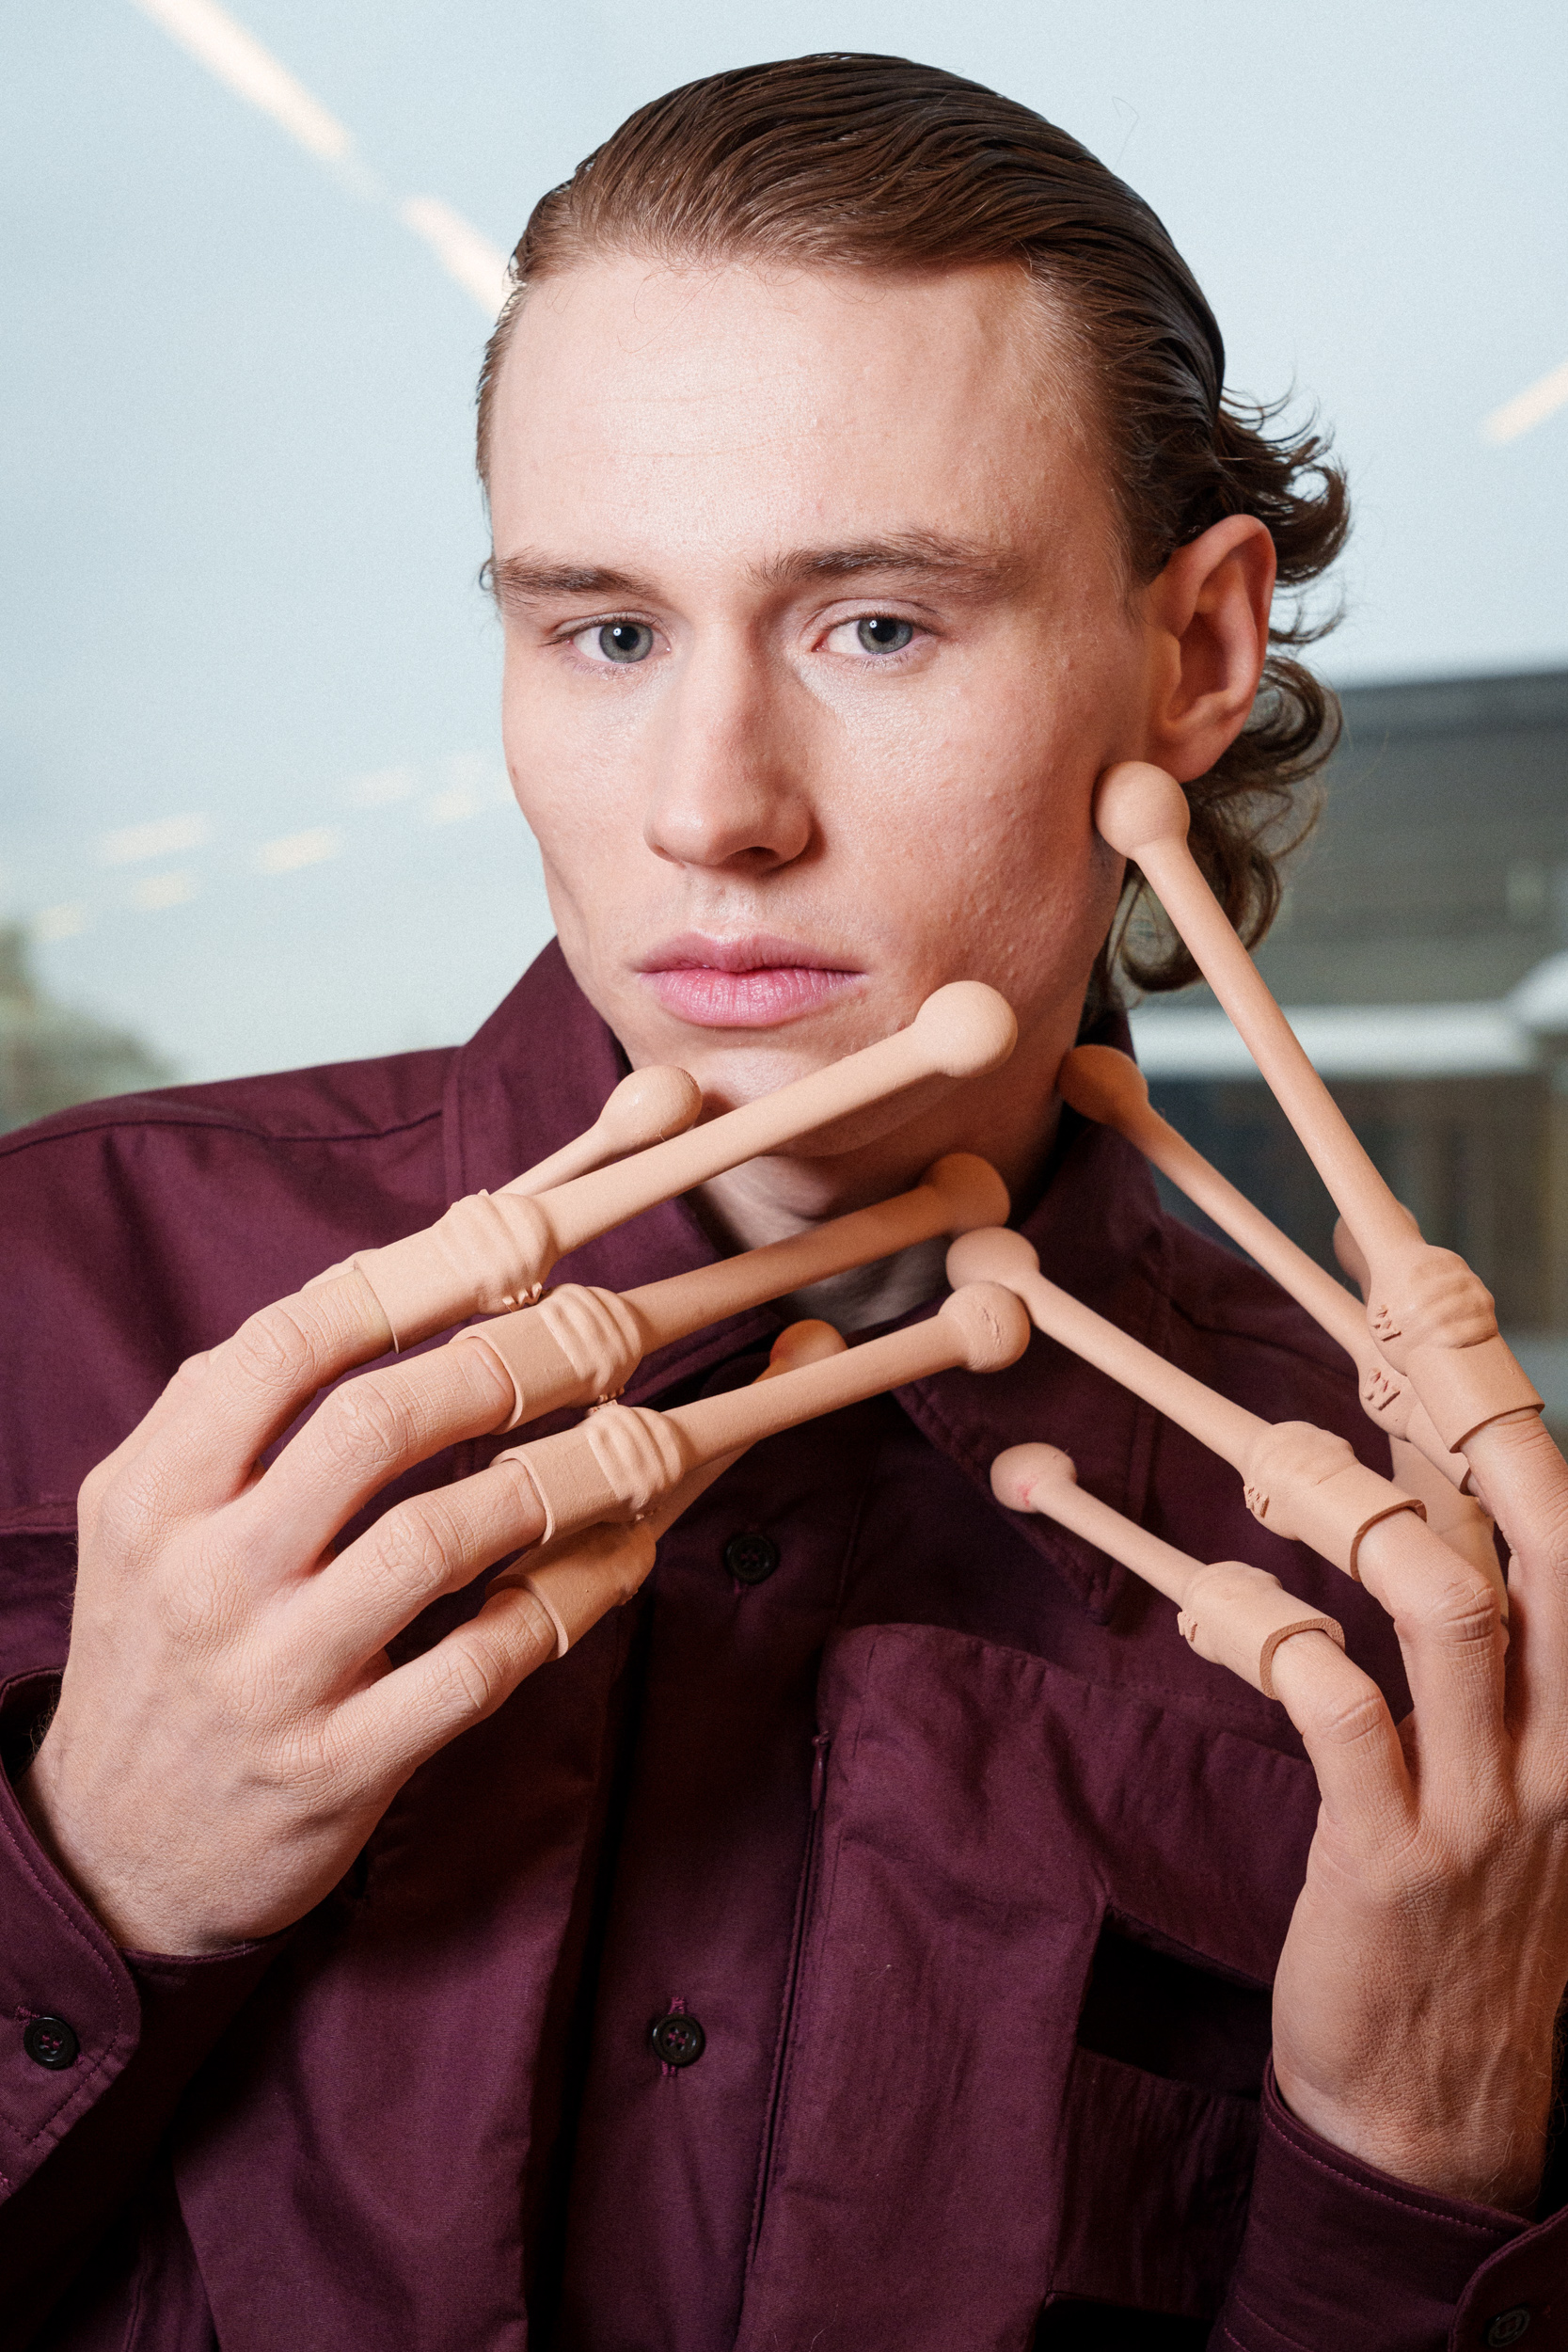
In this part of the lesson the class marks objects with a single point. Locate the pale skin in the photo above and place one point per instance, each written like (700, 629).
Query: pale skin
(817, 637)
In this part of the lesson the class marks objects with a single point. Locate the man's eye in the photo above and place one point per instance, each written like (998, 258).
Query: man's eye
(882, 635)
(616, 640)
(878, 633)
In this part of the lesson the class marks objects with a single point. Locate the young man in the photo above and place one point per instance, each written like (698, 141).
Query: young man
(866, 1941)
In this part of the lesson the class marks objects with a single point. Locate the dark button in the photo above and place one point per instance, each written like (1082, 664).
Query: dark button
(750, 1559)
(50, 2041)
(678, 2040)
(1508, 2326)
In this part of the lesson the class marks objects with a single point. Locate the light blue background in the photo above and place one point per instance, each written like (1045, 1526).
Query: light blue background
(241, 523)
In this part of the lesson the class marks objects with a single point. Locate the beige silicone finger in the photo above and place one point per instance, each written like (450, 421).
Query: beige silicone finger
(360, 1437)
(406, 1717)
(1350, 1737)
(1239, 1617)
(432, 1544)
(1454, 1646)
(583, 1577)
(580, 1577)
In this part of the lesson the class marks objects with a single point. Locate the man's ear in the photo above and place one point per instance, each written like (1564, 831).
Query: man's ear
(1207, 618)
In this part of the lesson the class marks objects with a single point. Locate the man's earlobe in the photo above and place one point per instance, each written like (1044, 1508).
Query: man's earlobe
(1208, 615)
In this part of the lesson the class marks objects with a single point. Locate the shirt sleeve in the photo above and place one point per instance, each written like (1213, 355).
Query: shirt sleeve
(96, 2045)
(1336, 2254)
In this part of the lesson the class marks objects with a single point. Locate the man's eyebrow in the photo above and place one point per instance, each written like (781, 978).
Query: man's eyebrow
(515, 577)
(969, 566)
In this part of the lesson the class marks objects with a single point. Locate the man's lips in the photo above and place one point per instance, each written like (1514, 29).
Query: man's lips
(752, 983)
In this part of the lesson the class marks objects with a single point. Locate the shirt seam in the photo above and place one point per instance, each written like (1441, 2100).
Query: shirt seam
(184, 1121)
(1365, 2188)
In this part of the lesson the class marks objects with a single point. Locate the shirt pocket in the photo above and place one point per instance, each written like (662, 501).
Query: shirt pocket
(945, 2153)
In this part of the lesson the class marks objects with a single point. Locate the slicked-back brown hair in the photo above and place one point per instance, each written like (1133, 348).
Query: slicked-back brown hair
(879, 164)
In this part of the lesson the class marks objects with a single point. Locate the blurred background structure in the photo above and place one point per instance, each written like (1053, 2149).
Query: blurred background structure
(254, 810)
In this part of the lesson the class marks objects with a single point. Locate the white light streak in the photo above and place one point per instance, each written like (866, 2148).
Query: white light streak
(1529, 409)
(157, 891)
(236, 58)
(478, 266)
(290, 851)
(166, 836)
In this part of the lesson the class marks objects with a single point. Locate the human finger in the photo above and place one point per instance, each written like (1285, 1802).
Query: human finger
(1451, 1637)
(366, 1433)
(171, 1401)
(255, 1383)
(431, 1543)
(405, 1718)
(1350, 1739)
(1523, 1481)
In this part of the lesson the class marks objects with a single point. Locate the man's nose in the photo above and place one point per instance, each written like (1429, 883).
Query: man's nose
(728, 786)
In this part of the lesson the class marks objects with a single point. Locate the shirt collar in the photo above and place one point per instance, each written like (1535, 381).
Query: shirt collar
(537, 1073)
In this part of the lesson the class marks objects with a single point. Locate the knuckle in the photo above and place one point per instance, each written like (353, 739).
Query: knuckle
(129, 1520)
(274, 1348)
(415, 1544)
(1354, 1717)
(473, 1679)
(365, 1426)
(1461, 1609)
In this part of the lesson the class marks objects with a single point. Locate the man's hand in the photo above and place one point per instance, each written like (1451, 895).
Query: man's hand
(1417, 1996)
(230, 1728)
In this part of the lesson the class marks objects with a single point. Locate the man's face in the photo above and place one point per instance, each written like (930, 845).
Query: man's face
(816, 642)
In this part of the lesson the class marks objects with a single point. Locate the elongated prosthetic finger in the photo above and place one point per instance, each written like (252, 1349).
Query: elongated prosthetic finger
(1302, 1483)
(1233, 1614)
(1430, 1316)
(491, 1252)
(578, 1579)
(580, 1346)
(648, 1108)
(621, 1461)
(1105, 1085)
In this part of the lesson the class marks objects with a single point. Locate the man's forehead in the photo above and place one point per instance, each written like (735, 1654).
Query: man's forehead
(669, 357)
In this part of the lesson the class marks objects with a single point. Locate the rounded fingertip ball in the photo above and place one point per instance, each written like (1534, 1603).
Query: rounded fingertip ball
(990, 1254)
(808, 1342)
(992, 1324)
(1018, 1475)
(1103, 1084)
(967, 1028)
(1136, 804)
(650, 1106)
(971, 1191)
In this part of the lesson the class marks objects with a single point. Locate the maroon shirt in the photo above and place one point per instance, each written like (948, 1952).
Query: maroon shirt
(972, 1874)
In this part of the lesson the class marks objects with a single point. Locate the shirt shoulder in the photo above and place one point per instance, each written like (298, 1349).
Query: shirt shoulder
(142, 1229)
